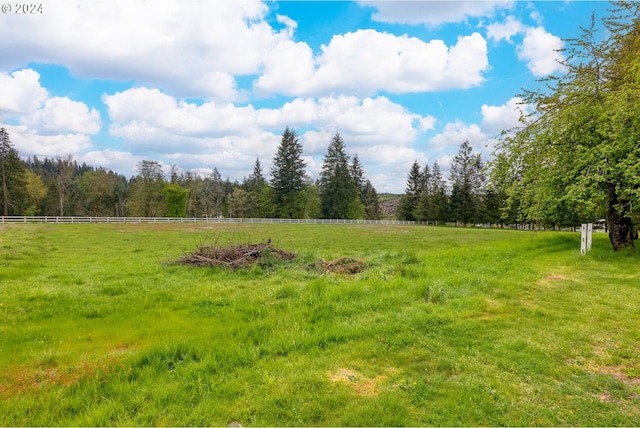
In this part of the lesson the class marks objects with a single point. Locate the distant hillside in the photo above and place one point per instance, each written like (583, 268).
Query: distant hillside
(387, 196)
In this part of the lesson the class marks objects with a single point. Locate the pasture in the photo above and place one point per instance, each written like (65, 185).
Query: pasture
(445, 326)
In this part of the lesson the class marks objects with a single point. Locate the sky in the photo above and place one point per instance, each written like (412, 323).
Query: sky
(206, 84)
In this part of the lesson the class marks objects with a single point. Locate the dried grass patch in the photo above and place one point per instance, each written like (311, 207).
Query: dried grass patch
(360, 384)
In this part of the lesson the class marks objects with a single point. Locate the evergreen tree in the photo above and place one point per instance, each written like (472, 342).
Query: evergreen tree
(409, 201)
(467, 181)
(421, 211)
(288, 173)
(357, 175)
(338, 192)
(11, 174)
(259, 189)
(371, 202)
(439, 201)
(256, 179)
(490, 209)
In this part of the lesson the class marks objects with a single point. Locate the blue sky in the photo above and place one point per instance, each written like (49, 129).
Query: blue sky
(213, 83)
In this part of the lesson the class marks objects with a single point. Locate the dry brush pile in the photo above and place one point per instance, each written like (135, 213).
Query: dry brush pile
(235, 256)
(243, 256)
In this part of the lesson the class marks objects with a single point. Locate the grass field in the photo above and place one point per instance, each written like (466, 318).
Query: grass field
(445, 327)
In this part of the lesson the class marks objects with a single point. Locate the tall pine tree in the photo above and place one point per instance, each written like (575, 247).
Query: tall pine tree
(287, 177)
(11, 174)
(467, 181)
(339, 194)
(409, 201)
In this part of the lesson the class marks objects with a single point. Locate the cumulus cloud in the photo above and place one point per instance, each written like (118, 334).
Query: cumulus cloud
(455, 133)
(192, 48)
(197, 49)
(21, 92)
(433, 12)
(29, 142)
(498, 31)
(368, 61)
(496, 119)
(60, 114)
(144, 116)
(42, 125)
(540, 50)
(364, 122)
(482, 136)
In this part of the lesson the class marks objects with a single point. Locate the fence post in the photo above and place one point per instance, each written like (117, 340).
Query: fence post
(586, 237)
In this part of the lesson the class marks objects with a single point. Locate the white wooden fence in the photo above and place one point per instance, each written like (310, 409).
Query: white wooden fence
(86, 220)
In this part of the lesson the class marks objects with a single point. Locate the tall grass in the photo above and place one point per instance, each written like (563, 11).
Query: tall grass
(444, 327)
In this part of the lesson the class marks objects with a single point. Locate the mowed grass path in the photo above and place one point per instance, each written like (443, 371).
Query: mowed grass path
(445, 327)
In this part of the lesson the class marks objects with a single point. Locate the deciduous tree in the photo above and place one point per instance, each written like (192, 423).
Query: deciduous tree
(175, 199)
(146, 198)
(578, 151)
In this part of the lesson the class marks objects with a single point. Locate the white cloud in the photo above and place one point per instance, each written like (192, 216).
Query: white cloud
(191, 48)
(46, 127)
(540, 50)
(432, 12)
(455, 133)
(198, 48)
(146, 117)
(28, 142)
(367, 62)
(506, 30)
(140, 113)
(21, 92)
(496, 119)
(60, 115)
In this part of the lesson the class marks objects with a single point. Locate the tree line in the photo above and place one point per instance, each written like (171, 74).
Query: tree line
(466, 199)
(62, 187)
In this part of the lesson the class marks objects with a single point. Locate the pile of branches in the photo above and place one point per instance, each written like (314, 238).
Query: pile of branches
(234, 257)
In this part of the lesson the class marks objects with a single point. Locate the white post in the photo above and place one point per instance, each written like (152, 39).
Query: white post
(583, 240)
(589, 235)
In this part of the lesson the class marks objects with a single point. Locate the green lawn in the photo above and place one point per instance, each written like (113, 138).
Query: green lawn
(446, 326)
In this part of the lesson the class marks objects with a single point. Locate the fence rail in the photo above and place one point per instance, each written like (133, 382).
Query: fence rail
(87, 220)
